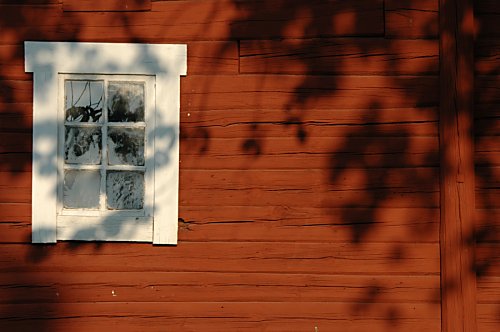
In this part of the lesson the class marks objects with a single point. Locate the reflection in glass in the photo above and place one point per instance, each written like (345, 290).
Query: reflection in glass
(125, 190)
(126, 146)
(81, 189)
(83, 100)
(125, 102)
(82, 145)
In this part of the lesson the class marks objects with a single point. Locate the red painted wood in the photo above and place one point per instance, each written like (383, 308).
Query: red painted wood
(487, 317)
(457, 166)
(487, 150)
(411, 18)
(104, 6)
(309, 172)
(487, 25)
(239, 257)
(295, 92)
(192, 20)
(340, 56)
(217, 316)
(487, 259)
(486, 55)
(488, 290)
(74, 287)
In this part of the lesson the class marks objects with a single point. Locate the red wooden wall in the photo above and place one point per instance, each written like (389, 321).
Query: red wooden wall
(487, 162)
(310, 171)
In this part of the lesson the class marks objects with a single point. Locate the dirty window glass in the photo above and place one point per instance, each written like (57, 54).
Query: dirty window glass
(104, 151)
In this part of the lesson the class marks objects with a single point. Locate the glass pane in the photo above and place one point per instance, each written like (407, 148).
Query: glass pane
(126, 146)
(125, 190)
(83, 100)
(81, 189)
(125, 102)
(82, 145)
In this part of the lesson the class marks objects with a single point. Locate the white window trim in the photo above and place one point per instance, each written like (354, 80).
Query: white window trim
(46, 60)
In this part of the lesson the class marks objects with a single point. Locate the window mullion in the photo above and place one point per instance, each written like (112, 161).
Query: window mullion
(104, 161)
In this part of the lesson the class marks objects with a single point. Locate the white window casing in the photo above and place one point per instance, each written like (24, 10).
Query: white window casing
(50, 63)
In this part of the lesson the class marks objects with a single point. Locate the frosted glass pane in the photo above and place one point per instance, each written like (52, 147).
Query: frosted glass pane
(82, 145)
(125, 190)
(126, 146)
(125, 102)
(81, 189)
(83, 100)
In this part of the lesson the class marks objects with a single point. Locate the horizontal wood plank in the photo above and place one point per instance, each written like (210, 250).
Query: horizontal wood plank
(30, 2)
(212, 57)
(488, 198)
(340, 56)
(53, 287)
(487, 25)
(421, 179)
(333, 199)
(488, 177)
(304, 124)
(488, 156)
(488, 318)
(15, 122)
(488, 290)
(487, 260)
(486, 56)
(296, 19)
(298, 92)
(486, 6)
(487, 127)
(16, 91)
(284, 125)
(15, 212)
(109, 5)
(265, 257)
(12, 62)
(16, 162)
(334, 146)
(484, 145)
(337, 117)
(486, 112)
(487, 225)
(486, 89)
(411, 18)
(217, 316)
(15, 142)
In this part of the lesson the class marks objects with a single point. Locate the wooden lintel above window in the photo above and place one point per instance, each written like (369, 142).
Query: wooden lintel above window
(106, 6)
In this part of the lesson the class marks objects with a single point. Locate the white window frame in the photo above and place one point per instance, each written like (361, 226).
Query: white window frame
(47, 61)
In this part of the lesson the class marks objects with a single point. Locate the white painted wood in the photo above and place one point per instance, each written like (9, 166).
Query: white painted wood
(111, 228)
(167, 161)
(44, 174)
(47, 60)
